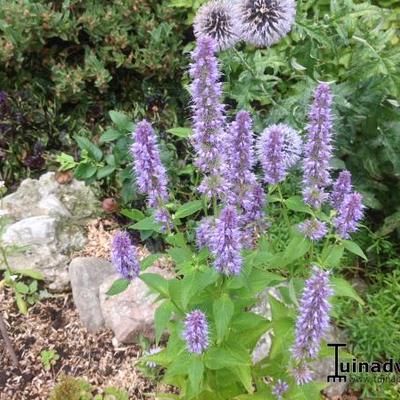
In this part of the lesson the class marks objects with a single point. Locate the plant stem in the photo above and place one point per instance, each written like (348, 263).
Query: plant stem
(284, 211)
(7, 342)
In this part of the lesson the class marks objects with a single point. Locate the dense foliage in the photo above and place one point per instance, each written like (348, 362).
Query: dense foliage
(65, 63)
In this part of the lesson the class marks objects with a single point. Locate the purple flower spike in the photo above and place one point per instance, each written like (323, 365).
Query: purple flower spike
(313, 229)
(204, 233)
(196, 332)
(318, 148)
(302, 374)
(208, 118)
(226, 243)
(150, 173)
(279, 389)
(279, 148)
(313, 320)
(350, 212)
(341, 187)
(123, 256)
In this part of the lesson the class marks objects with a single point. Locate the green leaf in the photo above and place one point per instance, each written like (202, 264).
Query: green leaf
(180, 255)
(133, 214)
(122, 121)
(223, 309)
(146, 224)
(343, 288)
(105, 171)
(332, 255)
(85, 171)
(244, 375)
(109, 135)
(149, 260)
(296, 203)
(161, 318)
(195, 372)
(259, 279)
(85, 144)
(31, 274)
(354, 248)
(188, 209)
(180, 132)
(219, 357)
(20, 287)
(21, 304)
(155, 282)
(118, 287)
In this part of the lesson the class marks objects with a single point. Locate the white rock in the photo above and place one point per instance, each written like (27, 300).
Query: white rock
(130, 313)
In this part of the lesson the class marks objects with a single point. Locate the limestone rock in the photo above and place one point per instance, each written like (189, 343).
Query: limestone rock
(86, 275)
(49, 219)
(130, 313)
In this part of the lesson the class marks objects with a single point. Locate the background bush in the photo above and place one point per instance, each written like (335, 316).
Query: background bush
(64, 64)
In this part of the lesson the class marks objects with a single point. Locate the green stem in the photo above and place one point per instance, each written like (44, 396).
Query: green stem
(215, 209)
(283, 207)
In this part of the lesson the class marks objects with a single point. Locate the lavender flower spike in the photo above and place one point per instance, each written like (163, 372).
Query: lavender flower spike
(313, 320)
(318, 148)
(279, 389)
(150, 173)
(196, 332)
(341, 187)
(208, 118)
(302, 373)
(313, 229)
(226, 243)
(350, 212)
(204, 233)
(217, 19)
(123, 256)
(279, 148)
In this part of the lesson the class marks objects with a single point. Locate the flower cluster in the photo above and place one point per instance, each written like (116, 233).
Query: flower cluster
(150, 173)
(349, 213)
(196, 332)
(313, 320)
(313, 229)
(318, 148)
(279, 148)
(123, 256)
(258, 22)
(208, 118)
(226, 243)
(341, 188)
(279, 389)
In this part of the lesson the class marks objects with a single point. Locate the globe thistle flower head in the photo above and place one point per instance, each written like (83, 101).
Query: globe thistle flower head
(123, 256)
(313, 320)
(204, 233)
(217, 19)
(279, 389)
(265, 22)
(341, 187)
(196, 332)
(208, 118)
(349, 213)
(302, 374)
(279, 148)
(226, 243)
(318, 148)
(313, 229)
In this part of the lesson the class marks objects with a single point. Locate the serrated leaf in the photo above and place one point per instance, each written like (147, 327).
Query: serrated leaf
(354, 248)
(244, 375)
(20, 287)
(105, 171)
(343, 288)
(118, 287)
(180, 132)
(195, 373)
(155, 282)
(296, 203)
(85, 144)
(122, 121)
(161, 318)
(188, 209)
(149, 260)
(110, 135)
(223, 309)
(133, 214)
(146, 224)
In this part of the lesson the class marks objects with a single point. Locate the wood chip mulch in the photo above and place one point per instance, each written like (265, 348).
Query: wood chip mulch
(54, 324)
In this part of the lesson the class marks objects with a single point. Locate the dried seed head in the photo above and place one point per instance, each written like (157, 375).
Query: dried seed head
(265, 22)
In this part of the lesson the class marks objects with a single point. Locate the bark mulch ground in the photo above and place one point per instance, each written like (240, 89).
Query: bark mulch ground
(54, 324)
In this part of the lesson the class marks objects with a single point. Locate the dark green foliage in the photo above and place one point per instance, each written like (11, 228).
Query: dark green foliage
(64, 63)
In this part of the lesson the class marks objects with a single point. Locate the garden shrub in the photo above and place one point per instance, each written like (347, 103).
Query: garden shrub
(65, 63)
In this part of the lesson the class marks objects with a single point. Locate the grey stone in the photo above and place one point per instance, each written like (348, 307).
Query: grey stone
(48, 218)
(130, 313)
(86, 275)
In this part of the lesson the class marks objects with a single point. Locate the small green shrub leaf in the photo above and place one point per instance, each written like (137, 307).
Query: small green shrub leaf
(223, 309)
(188, 209)
(354, 248)
(118, 287)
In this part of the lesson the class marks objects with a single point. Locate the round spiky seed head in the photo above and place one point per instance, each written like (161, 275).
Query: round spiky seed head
(265, 22)
(217, 20)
